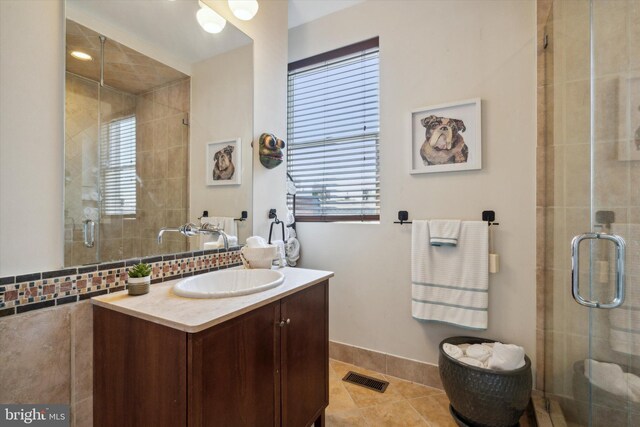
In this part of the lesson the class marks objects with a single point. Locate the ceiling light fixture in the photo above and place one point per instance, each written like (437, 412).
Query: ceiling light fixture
(209, 20)
(244, 9)
(81, 55)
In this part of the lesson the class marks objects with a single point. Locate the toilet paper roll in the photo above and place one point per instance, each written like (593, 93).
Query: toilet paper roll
(494, 263)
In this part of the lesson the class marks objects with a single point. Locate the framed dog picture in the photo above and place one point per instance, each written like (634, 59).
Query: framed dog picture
(223, 165)
(446, 137)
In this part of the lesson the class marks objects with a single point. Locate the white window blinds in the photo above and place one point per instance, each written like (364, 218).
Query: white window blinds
(118, 154)
(333, 131)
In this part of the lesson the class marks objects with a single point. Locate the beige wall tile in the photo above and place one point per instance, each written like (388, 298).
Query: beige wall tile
(611, 177)
(370, 359)
(174, 131)
(160, 134)
(35, 357)
(577, 112)
(577, 43)
(406, 369)
(555, 176)
(432, 376)
(539, 368)
(82, 413)
(82, 351)
(610, 29)
(540, 235)
(540, 298)
(177, 162)
(577, 170)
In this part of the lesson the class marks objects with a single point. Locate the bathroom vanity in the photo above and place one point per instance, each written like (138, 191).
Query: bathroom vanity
(253, 360)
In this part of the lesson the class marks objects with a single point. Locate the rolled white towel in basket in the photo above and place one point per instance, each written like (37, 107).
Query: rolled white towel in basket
(453, 350)
(472, 362)
(479, 352)
(506, 357)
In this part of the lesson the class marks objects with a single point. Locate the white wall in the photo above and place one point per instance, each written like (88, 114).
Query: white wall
(221, 110)
(268, 29)
(31, 135)
(433, 52)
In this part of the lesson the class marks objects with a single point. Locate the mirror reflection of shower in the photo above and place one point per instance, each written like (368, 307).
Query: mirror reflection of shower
(124, 121)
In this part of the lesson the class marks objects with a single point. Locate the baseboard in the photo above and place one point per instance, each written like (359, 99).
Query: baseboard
(387, 364)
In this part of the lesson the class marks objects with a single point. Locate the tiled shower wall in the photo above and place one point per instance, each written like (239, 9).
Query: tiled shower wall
(565, 206)
(162, 136)
(162, 162)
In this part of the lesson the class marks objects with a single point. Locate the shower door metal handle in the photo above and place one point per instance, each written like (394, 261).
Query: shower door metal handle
(89, 233)
(620, 244)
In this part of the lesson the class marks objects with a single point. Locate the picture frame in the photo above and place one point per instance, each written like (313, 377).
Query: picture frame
(224, 162)
(629, 118)
(447, 137)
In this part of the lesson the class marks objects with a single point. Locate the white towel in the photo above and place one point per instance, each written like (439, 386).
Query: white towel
(281, 259)
(226, 224)
(451, 284)
(219, 244)
(479, 352)
(506, 357)
(453, 350)
(611, 378)
(444, 232)
(472, 362)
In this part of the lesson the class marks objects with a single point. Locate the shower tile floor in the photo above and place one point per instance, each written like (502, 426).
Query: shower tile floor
(403, 404)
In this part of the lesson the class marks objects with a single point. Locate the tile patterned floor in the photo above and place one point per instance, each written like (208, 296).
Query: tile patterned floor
(403, 404)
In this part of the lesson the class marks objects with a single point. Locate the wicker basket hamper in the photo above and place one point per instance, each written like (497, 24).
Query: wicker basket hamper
(484, 397)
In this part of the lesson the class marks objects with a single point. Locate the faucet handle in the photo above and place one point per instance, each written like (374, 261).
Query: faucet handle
(189, 229)
(210, 227)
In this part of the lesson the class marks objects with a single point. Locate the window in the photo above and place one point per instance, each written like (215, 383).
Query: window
(333, 132)
(118, 154)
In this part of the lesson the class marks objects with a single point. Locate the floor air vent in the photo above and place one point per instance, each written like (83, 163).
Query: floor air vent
(365, 381)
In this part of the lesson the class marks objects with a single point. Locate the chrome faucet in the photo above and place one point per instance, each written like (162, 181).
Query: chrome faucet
(192, 229)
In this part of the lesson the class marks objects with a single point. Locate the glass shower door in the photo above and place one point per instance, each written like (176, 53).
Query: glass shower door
(606, 280)
(82, 166)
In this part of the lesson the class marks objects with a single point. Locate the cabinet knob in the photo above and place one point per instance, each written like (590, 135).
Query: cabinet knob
(284, 323)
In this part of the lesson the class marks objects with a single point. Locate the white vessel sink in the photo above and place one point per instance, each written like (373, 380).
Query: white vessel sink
(228, 283)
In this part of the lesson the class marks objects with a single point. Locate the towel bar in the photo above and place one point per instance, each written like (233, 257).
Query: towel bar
(488, 216)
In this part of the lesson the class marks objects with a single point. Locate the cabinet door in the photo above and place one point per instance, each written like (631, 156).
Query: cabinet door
(140, 372)
(305, 356)
(233, 372)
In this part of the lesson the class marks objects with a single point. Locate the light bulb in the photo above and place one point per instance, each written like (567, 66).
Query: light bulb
(244, 9)
(210, 21)
(81, 55)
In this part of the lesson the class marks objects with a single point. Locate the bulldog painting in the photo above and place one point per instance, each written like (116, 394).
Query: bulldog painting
(223, 168)
(444, 143)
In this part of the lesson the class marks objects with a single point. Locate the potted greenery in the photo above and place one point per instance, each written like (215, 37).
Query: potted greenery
(139, 279)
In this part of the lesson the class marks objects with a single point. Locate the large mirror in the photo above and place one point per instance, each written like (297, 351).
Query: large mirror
(158, 129)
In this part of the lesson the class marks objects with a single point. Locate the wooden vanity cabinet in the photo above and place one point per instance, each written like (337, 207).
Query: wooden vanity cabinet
(268, 367)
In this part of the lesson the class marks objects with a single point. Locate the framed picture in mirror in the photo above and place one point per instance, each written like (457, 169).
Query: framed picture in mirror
(224, 162)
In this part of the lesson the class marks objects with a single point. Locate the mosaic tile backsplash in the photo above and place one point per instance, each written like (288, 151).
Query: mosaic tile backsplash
(19, 294)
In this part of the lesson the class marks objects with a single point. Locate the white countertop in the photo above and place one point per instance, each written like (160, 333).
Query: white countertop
(162, 306)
